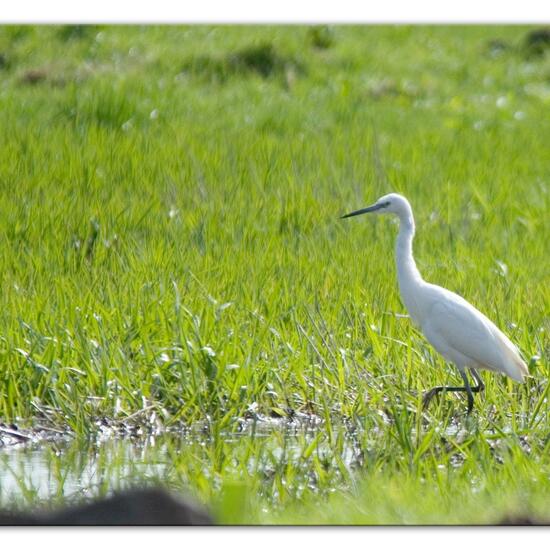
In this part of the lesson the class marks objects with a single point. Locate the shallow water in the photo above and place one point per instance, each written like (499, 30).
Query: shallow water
(68, 469)
(56, 472)
(271, 455)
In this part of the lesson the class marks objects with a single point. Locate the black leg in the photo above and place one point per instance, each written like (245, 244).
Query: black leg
(480, 385)
(466, 388)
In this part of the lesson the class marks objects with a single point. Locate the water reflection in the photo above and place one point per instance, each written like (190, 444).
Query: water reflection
(54, 473)
(275, 460)
(67, 469)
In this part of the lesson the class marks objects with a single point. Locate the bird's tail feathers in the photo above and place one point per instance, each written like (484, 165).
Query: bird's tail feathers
(515, 365)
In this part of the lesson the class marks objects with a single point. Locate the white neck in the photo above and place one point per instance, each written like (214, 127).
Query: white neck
(407, 272)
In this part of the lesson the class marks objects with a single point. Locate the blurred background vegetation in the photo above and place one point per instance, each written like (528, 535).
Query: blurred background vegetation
(172, 262)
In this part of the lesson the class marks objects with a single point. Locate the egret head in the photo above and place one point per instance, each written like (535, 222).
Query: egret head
(388, 204)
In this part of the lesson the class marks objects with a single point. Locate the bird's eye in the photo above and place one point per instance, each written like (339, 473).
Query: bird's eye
(385, 204)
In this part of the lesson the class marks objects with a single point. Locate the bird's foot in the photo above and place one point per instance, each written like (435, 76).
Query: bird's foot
(428, 396)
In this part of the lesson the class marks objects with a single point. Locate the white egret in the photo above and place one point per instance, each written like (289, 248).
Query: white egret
(455, 328)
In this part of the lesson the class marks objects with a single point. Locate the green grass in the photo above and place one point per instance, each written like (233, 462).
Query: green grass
(169, 240)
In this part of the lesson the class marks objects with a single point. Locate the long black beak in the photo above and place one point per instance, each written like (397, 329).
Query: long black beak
(363, 211)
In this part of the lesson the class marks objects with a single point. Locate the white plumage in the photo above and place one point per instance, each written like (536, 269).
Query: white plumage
(464, 336)
(455, 328)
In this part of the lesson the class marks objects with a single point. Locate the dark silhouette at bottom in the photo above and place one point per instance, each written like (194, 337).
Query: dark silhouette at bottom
(523, 520)
(148, 506)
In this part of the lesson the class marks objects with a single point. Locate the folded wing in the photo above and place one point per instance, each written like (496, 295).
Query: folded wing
(467, 331)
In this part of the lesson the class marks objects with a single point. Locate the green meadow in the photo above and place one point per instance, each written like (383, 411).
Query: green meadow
(172, 262)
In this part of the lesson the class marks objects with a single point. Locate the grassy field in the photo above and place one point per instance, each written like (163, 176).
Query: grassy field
(171, 251)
